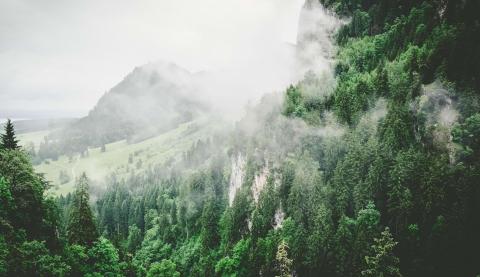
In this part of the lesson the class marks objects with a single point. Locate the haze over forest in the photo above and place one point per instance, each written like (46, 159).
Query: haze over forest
(240, 138)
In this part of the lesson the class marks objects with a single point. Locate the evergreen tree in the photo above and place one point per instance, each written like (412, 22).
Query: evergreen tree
(81, 227)
(383, 263)
(76, 257)
(22, 195)
(8, 139)
(104, 258)
(134, 239)
(165, 268)
(33, 258)
(238, 263)
(209, 220)
(284, 263)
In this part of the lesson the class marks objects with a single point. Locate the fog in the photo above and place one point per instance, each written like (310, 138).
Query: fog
(141, 71)
(58, 57)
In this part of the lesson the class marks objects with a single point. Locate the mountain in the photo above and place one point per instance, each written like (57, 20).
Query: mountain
(152, 99)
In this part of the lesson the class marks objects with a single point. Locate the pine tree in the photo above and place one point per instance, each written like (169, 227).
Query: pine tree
(284, 263)
(8, 139)
(81, 227)
(383, 263)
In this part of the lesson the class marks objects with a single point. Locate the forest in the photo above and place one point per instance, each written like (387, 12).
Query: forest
(375, 172)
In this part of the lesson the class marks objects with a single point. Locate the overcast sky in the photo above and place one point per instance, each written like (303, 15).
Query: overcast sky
(57, 57)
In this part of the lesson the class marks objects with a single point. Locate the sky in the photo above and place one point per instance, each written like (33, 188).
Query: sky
(57, 57)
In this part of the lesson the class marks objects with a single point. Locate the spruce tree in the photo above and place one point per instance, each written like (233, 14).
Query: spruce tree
(284, 263)
(81, 227)
(8, 139)
(383, 263)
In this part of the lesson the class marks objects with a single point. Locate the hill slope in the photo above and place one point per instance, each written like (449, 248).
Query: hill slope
(123, 158)
(152, 99)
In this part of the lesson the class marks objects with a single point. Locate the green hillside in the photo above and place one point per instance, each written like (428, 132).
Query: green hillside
(32, 137)
(120, 158)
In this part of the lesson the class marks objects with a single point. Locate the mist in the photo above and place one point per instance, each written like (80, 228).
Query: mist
(239, 76)
(59, 57)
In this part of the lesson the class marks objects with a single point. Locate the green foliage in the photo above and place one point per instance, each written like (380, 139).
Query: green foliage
(264, 254)
(34, 258)
(405, 178)
(293, 102)
(309, 98)
(344, 239)
(26, 188)
(134, 239)
(350, 173)
(187, 257)
(81, 226)
(263, 216)
(3, 256)
(6, 199)
(234, 222)
(103, 257)
(352, 97)
(359, 26)
(210, 231)
(304, 188)
(295, 236)
(396, 131)
(8, 139)
(165, 268)
(152, 250)
(237, 263)
(352, 238)
(284, 263)
(383, 262)
(77, 258)
(467, 135)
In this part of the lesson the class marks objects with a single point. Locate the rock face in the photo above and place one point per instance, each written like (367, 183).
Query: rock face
(236, 177)
(279, 217)
(259, 183)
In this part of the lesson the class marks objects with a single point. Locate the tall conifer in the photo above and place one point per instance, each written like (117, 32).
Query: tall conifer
(81, 226)
(284, 263)
(8, 139)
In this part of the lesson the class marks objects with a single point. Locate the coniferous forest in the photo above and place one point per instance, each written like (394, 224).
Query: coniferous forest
(374, 172)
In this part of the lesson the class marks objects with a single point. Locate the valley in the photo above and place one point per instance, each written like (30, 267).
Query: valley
(121, 158)
(355, 152)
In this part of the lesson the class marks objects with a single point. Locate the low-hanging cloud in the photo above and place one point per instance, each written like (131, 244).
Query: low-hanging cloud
(63, 55)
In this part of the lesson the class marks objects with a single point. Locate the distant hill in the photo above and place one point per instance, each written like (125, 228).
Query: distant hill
(152, 99)
(33, 125)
